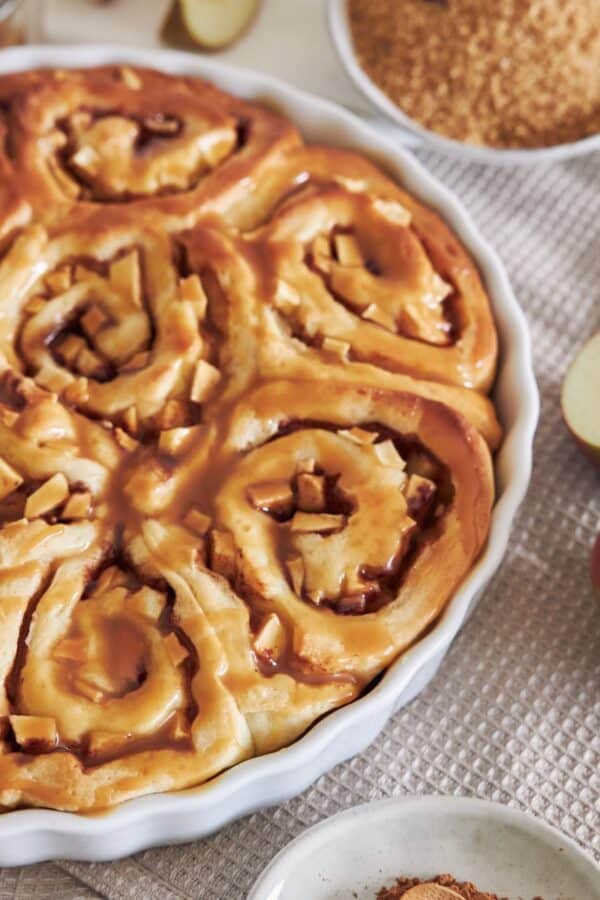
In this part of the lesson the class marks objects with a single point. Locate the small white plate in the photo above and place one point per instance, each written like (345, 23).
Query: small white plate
(499, 849)
(411, 132)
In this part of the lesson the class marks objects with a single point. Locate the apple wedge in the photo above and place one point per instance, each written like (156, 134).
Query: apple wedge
(580, 399)
(216, 23)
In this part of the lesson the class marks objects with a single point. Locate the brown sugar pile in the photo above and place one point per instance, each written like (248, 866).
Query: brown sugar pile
(463, 888)
(506, 73)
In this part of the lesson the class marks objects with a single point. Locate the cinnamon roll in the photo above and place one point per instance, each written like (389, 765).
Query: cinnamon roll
(151, 142)
(351, 514)
(115, 684)
(301, 325)
(104, 317)
(376, 270)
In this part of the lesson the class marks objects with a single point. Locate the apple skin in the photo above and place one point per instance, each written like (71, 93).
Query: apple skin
(595, 567)
(589, 351)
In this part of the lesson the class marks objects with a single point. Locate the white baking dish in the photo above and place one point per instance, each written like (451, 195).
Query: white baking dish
(32, 835)
(410, 131)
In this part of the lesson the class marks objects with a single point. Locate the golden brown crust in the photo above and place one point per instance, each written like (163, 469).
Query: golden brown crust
(231, 493)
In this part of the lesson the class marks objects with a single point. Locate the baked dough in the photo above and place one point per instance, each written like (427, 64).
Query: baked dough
(244, 432)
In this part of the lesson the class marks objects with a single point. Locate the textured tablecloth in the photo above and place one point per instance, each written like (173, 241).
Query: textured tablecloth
(514, 712)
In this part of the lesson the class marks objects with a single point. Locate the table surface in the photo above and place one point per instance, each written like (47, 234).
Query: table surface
(514, 713)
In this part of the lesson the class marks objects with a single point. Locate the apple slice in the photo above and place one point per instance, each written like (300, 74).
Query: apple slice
(431, 891)
(216, 23)
(595, 567)
(580, 399)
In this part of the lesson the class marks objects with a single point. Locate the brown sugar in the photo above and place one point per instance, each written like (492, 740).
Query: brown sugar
(504, 73)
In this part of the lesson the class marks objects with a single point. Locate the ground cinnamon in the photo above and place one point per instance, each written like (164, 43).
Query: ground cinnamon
(463, 888)
(506, 73)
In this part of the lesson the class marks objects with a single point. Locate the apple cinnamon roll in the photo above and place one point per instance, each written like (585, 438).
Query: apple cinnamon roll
(299, 326)
(378, 272)
(114, 682)
(103, 317)
(351, 515)
(158, 144)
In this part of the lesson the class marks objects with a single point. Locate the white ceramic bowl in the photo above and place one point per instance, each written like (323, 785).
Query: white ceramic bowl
(31, 835)
(499, 849)
(339, 29)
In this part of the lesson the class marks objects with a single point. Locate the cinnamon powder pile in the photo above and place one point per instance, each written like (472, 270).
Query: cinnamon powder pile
(506, 73)
(463, 888)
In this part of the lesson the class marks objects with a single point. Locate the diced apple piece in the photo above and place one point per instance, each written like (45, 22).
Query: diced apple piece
(270, 639)
(348, 250)
(125, 278)
(77, 392)
(295, 567)
(205, 380)
(274, 497)
(175, 440)
(388, 455)
(579, 400)
(147, 602)
(222, 553)
(286, 297)
(47, 497)
(174, 414)
(305, 523)
(9, 479)
(59, 281)
(392, 211)
(359, 435)
(130, 78)
(78, 506)
(35, 305)
(70, 348)
(191, 291)
(93, 319)
(338, 348)
(125, 440)
(34, 731)
(216, 24)
(311, 492)
(374, 313)
(102, 743)
(197, 521)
